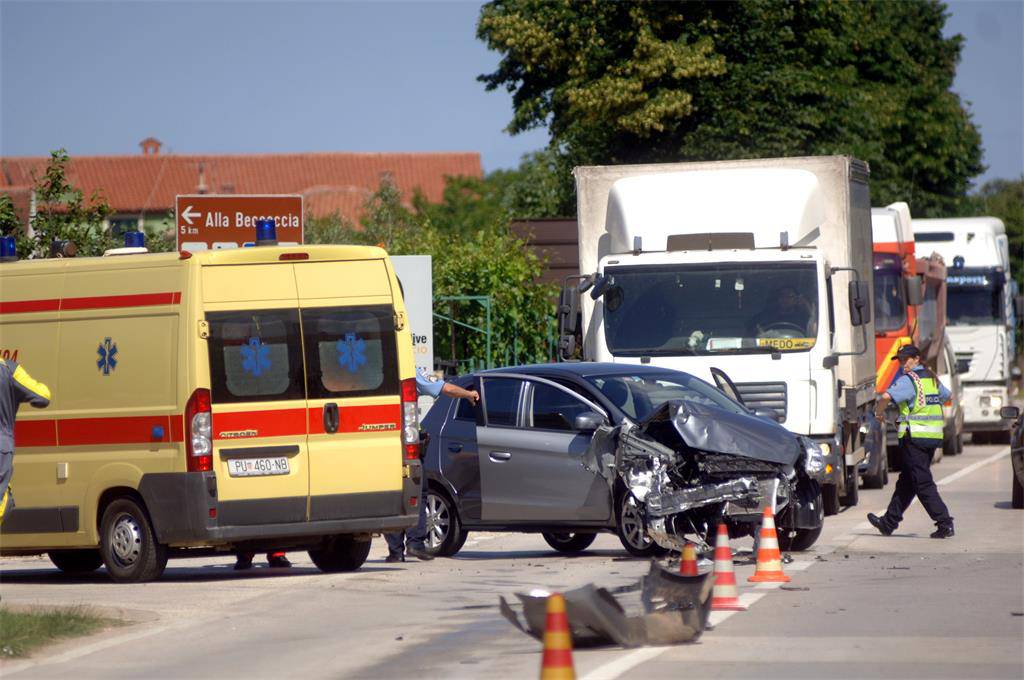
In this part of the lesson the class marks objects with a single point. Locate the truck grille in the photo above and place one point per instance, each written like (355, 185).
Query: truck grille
(769, 395)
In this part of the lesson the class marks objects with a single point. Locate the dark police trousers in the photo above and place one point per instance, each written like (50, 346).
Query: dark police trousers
(416, 536)
(916, 480)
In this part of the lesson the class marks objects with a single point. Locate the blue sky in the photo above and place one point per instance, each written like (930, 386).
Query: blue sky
(247, 77)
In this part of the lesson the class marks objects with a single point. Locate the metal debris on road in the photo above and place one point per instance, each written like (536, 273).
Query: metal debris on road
(662, 608)
(793, 588)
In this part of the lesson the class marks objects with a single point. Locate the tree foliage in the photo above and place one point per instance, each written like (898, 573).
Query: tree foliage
(473, 253)
(1004, 198)
(655, 82)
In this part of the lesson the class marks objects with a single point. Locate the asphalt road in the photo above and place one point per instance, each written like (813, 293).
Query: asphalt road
(859, 605)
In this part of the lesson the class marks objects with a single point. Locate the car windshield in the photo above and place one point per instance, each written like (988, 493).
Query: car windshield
(637, 395)
(890, 307)
(974, 298)
(720, 308)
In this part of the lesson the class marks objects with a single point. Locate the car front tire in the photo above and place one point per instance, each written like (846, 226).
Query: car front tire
(632, 529)
(801, 540)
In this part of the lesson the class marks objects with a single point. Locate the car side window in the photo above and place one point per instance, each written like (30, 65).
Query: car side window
(501, 401)
(465, 410)
(555, 409)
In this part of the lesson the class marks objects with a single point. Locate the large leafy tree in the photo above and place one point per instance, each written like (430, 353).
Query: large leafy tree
(1004, 198)
(651, 82)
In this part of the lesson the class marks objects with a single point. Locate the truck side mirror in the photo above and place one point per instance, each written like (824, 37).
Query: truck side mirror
(568, 309)
(602, 284)
(860, 303)
(830, 362)
(914, 289)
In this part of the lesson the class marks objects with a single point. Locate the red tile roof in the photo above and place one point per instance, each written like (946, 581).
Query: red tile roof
(330, 182)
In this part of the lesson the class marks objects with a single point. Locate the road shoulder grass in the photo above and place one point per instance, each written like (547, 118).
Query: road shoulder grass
(23, 630)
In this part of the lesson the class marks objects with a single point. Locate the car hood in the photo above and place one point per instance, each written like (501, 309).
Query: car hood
(709, 428)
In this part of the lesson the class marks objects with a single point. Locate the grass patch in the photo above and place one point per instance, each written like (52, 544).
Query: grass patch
(23, 631)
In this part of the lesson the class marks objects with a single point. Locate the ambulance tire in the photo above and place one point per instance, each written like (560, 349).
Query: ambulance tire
(76, 561)
(343, 552)
(128, 543)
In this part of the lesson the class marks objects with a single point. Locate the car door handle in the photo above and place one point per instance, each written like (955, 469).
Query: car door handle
(455, 447)
(500, 456)
(331, 418)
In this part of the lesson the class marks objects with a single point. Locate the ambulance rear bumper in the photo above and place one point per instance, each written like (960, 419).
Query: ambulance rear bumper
(185, 511)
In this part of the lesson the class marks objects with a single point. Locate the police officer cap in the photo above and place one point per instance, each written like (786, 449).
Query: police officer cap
(906, 352)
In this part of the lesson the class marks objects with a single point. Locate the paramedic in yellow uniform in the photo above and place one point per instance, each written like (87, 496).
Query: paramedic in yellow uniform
(16, 386)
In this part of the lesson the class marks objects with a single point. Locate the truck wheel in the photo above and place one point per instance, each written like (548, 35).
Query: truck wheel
(1017, 499)
(852, 495)
(830, 499)
(128, 544)
(802, 540)
(445, 535)
(569, 542)
(340, 553)
(879, 476)
(632, 529)
(76, 561)
(960, 443)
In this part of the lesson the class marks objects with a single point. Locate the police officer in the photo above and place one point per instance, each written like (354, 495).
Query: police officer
(401, 543)
(16, 386)
(920, 396)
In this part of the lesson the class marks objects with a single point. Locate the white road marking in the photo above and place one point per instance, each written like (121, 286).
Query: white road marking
(615, 669)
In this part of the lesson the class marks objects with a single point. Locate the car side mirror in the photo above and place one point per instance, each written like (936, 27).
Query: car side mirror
(1009, 412)
(962, 366)
(588, 421)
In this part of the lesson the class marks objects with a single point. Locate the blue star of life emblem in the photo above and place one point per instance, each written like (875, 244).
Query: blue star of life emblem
(351, 352)
(255, 357)
(107, 352)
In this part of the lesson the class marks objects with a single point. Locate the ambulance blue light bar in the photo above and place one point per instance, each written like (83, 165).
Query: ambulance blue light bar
(8, 249)
(134, 239)
(266, 233)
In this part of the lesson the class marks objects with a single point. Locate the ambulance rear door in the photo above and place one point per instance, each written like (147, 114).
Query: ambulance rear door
(258, 397)
(355, 451)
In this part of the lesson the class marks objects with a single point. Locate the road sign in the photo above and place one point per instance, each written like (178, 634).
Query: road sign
(209, 222)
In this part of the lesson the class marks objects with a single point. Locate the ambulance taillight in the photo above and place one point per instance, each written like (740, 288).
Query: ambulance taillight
(199, 432)
(410, 421)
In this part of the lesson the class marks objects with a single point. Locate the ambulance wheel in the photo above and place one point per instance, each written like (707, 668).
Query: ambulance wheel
(76, 561)
(128, 544)
(568, 542)
(343, 552)
(802, 540)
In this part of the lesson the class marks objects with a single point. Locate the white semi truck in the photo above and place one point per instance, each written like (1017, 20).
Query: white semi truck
(758, 269)
(981, 310)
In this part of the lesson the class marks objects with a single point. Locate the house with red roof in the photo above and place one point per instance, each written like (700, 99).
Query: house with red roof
(141, 189)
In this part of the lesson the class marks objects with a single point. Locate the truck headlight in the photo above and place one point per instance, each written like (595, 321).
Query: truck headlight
(814, 455)
(997, 402)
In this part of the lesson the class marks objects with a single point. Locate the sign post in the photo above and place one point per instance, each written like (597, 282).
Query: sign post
(212, 222)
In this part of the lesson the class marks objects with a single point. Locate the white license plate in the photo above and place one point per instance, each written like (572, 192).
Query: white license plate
(257, 467)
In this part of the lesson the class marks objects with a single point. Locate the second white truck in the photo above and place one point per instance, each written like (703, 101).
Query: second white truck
(754, 270)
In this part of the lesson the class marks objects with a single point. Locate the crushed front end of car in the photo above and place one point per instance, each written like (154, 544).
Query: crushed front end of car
(691, 465)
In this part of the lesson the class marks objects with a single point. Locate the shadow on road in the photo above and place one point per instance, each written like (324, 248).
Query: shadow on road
(1004, 505)
(206, 573)
(536, 554)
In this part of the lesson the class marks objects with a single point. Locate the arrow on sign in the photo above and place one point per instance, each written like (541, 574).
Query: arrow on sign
(187, 214)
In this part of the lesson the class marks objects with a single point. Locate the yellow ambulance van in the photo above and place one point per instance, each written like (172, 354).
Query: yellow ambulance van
(223, 400)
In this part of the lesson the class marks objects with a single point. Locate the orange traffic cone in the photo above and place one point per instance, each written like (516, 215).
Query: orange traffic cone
(556, 663)
(769, 559)
(688, 562)
(725, 597)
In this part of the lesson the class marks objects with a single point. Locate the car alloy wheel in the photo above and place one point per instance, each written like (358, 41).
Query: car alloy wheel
(438, 521)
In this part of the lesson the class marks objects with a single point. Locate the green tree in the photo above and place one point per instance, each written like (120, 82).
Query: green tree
(696, 80)
(64, 214)
(1004, 198)
(473, 253)
(10, 225)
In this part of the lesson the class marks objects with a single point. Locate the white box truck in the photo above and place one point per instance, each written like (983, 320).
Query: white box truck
(758, 269)
(981, 306)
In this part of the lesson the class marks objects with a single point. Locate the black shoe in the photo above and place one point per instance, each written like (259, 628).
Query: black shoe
(421, 553)
(243, 563)
(879, 523)
(279, 562)
(943, 532)
(394, 557)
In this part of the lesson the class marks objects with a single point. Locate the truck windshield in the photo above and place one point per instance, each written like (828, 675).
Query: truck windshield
(720, 308)
(890, 306)
(974, 298)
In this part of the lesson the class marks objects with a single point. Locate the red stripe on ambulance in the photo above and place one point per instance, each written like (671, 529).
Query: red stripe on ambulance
(375, 418)
(94, 302)
(250, 424)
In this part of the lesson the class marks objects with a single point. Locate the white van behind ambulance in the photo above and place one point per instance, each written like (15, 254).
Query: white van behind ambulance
(224, 400)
